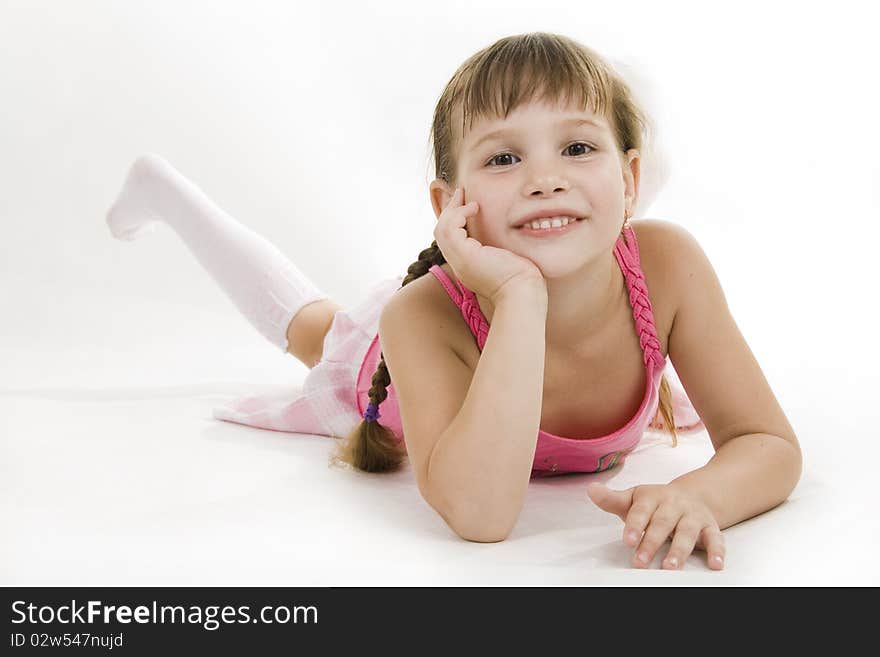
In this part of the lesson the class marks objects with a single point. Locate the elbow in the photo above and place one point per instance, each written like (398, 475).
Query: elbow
(798, 468)
(476, 529)
(477, 523)
(482, 535)
(482, 529)
(796, 463)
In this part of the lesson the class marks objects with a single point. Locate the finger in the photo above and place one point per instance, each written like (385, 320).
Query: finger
(458, 219)
(637, 521)
(456, 214)
(451, 232)
(617, 502)
(662, 524)
(455, 198)
(686, 533)
(450, 221)
(449, 218)
(715, 550)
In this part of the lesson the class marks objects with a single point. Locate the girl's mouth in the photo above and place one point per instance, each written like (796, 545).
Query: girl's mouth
(528, 231)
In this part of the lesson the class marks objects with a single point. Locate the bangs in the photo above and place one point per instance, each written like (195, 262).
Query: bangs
(525, 68)
(539, 67)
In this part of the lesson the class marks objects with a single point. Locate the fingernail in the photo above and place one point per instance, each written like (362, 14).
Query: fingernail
(632, 536)
(672, 562)
(643, 557)
(718, 560)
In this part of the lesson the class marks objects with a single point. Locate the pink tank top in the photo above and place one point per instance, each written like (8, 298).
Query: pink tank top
(555, 454)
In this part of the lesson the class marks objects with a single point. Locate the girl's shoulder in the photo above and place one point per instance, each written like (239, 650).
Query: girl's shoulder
(660, 243)
(427, 297)
(661, 256)
(651, 235)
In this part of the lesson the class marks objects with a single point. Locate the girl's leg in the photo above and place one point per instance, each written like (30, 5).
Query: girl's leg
(306, 333)
(266, 287)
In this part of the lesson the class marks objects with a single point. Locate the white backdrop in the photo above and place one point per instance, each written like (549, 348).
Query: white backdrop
(310, 124)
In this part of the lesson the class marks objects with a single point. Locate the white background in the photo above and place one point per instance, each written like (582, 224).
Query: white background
(310, 124)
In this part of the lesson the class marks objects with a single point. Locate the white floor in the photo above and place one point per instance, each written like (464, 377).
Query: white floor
(115, 473)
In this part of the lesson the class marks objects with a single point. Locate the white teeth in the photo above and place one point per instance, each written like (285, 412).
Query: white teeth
(550, 222)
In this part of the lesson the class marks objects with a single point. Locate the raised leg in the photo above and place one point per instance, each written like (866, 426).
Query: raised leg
(262, 282)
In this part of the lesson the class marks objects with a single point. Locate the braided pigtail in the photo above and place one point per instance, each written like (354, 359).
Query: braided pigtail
(370, 446)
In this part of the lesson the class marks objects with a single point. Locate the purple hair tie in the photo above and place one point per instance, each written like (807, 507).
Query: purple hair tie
(372, 413)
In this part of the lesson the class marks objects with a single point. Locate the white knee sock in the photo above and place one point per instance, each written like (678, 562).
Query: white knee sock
(261, 281)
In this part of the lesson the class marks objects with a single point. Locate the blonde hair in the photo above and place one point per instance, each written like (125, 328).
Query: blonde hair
(491, 83)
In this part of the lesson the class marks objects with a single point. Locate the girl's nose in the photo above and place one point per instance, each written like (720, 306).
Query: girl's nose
(546, 185)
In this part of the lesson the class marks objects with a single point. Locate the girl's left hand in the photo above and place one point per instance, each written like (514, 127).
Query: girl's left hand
(659, 511)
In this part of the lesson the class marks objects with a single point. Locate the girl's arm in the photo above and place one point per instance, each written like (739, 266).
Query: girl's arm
(757, 460)
(470, 434)
(748, 475)
(482, 462)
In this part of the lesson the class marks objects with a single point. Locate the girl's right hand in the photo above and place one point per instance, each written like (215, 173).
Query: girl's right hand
(486, 270)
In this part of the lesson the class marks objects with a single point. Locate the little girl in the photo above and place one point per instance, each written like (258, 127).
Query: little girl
(534, 348)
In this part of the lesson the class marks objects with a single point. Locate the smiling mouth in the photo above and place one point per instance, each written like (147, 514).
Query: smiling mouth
(548, 230)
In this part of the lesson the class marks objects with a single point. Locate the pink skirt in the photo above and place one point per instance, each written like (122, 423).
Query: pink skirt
(328, 402)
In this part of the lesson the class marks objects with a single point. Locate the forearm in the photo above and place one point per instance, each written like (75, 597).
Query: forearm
(748, 475)
(482, 463)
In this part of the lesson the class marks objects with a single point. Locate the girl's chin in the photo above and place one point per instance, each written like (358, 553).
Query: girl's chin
(558, 268)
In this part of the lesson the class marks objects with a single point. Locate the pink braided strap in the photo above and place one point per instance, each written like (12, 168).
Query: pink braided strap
(468, 305)
(470, 310)
(643, 313)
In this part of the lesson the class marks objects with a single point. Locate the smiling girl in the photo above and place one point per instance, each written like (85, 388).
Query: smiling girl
(536, 346)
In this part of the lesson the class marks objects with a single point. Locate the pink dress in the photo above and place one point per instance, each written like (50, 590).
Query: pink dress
(335, 392)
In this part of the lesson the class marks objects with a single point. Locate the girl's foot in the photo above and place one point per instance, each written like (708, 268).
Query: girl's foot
(135, 213)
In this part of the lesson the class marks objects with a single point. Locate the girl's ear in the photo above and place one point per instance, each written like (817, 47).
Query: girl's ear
(441, 194)
(631, 176)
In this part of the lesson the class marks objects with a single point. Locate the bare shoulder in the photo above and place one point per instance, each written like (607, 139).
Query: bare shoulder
(424, 305)
(664, 249)
(670, 249)
(660, 241)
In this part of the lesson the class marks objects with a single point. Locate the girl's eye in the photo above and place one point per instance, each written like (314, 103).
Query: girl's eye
(495, 158)
(568, 148)
(580, 143)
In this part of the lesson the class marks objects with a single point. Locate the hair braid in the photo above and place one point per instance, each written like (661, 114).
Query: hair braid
(370, 446)
(427, 259)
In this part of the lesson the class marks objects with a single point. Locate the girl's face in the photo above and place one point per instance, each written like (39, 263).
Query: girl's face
(546, 157)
